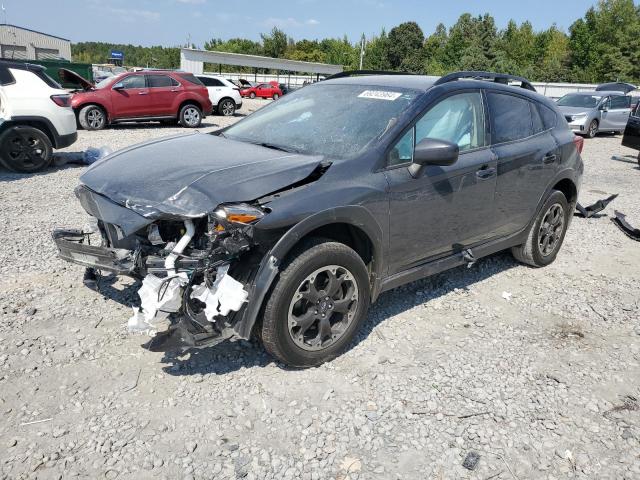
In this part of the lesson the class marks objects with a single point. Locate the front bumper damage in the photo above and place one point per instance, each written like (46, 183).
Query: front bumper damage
(189, 296)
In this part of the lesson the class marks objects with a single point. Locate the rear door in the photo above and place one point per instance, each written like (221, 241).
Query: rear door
(528, 158)
(214, 87)
(132, 100)
(619, 111)
(447, 207)
(163, 91)
(631, 136)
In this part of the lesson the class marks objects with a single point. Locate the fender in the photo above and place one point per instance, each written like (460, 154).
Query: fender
(565, 174)
(354, 215)
(54, 136)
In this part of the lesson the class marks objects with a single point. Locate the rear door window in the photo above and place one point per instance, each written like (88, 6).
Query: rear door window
(620, 102)
(510, 117)
(158, 81)
(536, 119)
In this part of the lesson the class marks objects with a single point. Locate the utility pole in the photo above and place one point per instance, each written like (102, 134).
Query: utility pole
(363, 42)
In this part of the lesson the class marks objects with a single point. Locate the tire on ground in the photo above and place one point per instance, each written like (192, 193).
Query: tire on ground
(529, 252)
(304, 260)
(25, 149)
(226, 107)
(190, 116)
(92, 117)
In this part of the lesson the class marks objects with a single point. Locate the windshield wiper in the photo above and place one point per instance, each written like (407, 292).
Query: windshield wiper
(276, 147)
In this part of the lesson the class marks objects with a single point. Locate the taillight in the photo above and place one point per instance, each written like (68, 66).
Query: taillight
(61, 100)
(579, 142)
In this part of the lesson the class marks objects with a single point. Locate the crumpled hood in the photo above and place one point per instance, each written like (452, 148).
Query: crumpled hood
(189, 175)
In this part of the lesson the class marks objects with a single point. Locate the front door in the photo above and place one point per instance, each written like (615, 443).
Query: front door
(631, 136)
(163, 91)
(130, 97)
(447, 207)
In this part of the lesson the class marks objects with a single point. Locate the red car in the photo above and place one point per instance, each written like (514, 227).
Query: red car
(141, 96)
(263, 90)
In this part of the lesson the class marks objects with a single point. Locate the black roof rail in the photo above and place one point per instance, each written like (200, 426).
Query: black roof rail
(21, 65)
(503, 78)
(353, 73)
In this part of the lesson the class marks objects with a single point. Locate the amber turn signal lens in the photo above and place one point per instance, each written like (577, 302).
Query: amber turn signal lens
(241, 217)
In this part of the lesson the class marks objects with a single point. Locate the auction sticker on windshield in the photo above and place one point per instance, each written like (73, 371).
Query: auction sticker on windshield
(380, 95)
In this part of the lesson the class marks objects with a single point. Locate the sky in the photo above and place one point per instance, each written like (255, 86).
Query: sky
(173, 22)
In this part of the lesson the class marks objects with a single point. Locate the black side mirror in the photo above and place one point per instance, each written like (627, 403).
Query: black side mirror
(431, 151)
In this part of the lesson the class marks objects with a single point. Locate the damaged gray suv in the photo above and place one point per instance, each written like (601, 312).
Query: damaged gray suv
(288, 224)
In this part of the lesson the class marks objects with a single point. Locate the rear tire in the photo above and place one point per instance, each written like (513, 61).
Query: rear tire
(25, 149)
(92, 117)
(593, 129)
(190, 116)
(333, 313)
(226, 107)
(546, 234)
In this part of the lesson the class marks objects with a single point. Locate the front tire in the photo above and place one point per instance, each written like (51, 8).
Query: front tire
(276, 96)
(593, 129)
(92, 117)
(317, 304)
(190, 116)
(252, 95)
(25, 149)
(546, 234)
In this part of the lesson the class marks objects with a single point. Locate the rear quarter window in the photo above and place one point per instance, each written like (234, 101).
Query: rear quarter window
(6, 78)
(549, 117)
(191, 78)
(510, 117)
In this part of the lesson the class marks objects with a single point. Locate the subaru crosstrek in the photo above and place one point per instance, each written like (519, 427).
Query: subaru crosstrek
(289, 223)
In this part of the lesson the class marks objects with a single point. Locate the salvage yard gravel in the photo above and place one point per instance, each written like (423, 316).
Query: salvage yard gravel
(495, 371)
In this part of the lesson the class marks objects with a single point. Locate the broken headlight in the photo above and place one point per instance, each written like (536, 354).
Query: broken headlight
(238, 213)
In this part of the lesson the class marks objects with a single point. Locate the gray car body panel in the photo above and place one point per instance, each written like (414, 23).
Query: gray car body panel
(187, 176)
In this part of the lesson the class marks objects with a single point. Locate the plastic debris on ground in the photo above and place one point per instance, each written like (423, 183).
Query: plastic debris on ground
(506, 295)
(471, 460)
(630, 231)
(590, 210)
(226, 294)
(159, 297)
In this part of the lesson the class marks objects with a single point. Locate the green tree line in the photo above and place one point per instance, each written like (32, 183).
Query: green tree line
(601, 46)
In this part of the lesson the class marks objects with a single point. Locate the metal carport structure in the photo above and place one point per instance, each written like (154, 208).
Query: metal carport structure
(192, 60)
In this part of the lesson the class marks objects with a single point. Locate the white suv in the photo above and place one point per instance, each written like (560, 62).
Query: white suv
(224, 95)
(35, 117)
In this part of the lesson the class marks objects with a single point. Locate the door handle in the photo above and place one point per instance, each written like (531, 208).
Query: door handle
(175, 90)
(485, 172)
(142, 93)
(549, 158)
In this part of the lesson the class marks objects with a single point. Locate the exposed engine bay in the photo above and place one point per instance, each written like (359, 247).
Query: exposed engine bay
(189, 293)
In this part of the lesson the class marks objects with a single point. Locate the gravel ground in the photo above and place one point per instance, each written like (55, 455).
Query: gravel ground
(535, 370)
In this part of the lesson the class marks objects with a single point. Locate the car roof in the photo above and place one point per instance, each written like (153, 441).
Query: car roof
(598, 93)
(414, 82)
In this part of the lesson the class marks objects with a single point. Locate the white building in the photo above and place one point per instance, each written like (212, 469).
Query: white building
(23, 44)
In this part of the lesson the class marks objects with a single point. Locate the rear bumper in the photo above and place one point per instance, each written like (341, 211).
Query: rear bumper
(72, 248)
